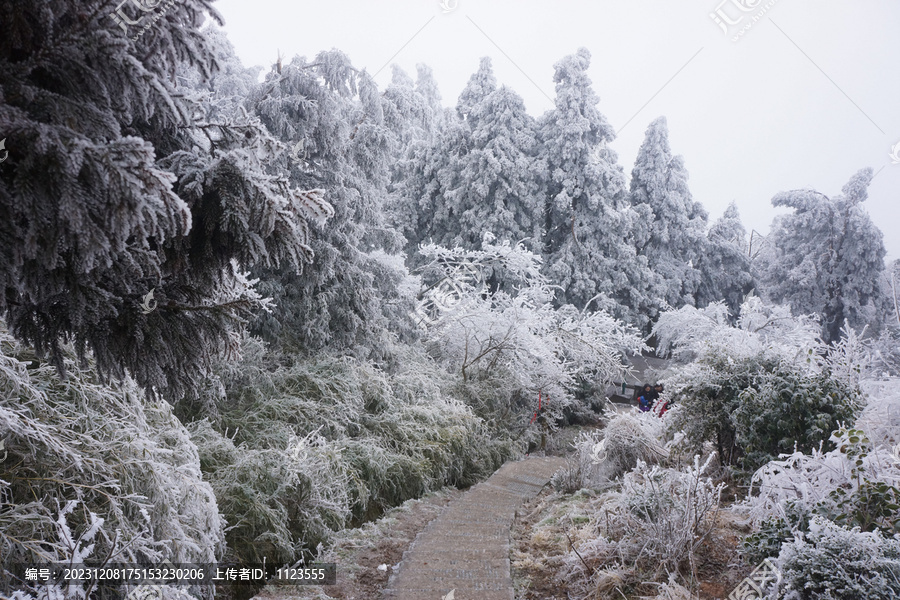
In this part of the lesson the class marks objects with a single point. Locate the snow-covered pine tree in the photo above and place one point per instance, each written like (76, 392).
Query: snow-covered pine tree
(892, 291)
(108, 196)
(827, 256)
(333, 113)
(725, 263)
(427, 87)
(407, 115)
(673, 226)
(438, 207)
(502, 175)
(589, 229)
(490, 177)
(406, 112)
(481, 84)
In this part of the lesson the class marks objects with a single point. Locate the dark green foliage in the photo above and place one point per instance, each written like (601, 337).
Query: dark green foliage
(772, 533)
(875, 506)
(755, 408)
(871, 505)
(787, 410)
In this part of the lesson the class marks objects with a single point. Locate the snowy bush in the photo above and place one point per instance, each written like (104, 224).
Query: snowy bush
(672, 590)
(650, 528)
(627, 440)
(842, 484)
(303, 448)
(834, 563)
(761, 388)
(667, 514)
(490, 310)
(880, 418)
(856, 486)
(784, 410)
(689, 332)
(99, 462)
(277, 500)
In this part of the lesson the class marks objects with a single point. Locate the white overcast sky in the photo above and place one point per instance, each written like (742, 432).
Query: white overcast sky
(806, 97)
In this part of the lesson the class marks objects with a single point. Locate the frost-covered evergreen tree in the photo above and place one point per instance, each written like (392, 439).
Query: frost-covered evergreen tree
(589, 243)
(490, 176)
(724, 264)
(672, 226)
(427, 87)
(119, 185)
(408, 117)
(892, 291)
(331, 115)
(420, 203)
(406, 112)
(502, 174)
(481, 84)
(827, 256)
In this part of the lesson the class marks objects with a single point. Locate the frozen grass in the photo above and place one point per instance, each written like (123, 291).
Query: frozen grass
(99, 462)
(304, 449)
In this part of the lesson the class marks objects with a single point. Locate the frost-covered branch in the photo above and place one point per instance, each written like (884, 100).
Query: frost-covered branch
(513, 321)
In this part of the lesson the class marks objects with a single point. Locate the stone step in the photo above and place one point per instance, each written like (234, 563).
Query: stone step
(438, 594)
(455, 550)
(452, 562)
(454, 529)
(466, 581)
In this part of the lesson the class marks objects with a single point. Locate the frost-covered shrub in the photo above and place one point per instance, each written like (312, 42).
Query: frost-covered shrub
(833, 563)
(277, 500)
(103, 459)
(689, 332)
(763, 387)
(784, 410)
(627, 440)
(652, 526)
(811, 478)
(667, 514)
(570, 478)
(582, 468)
(754, 408)
(672, 590)
(707, 393)
(770, 533)
(855, 485)
(303, 448)
(490, 311)
(880, 418)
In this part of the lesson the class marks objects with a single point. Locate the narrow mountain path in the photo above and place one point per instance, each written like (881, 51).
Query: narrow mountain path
(466, 548)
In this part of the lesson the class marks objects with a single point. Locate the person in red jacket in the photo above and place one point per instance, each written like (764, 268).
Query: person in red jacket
(663, 405)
